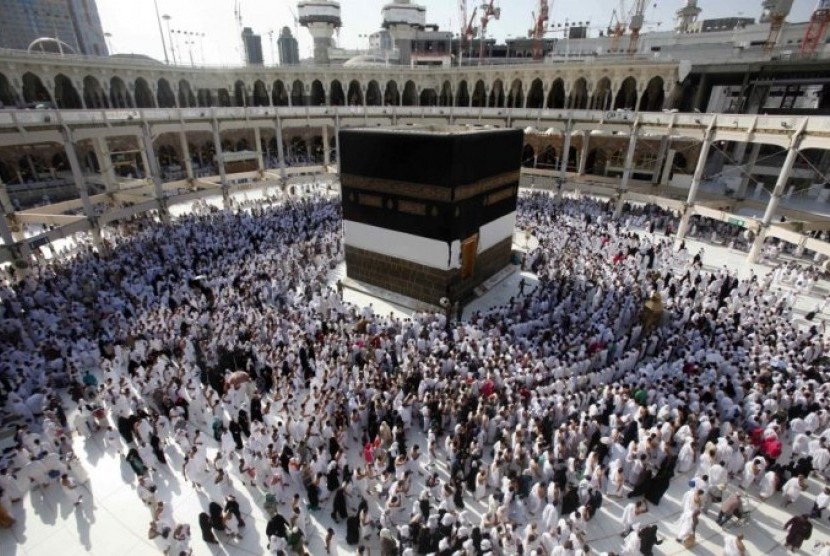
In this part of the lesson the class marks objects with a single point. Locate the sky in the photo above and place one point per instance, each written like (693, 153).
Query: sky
(133, 26)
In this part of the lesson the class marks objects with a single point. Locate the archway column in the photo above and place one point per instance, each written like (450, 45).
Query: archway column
(10, 231)
(747, 171)
(102, 152)
(337, 141)
(280, 147)
(155, 173)
(188, 162)
(683, 228)
(260, 164)
(269, 90)
(220, 162)
(106, 100)
(563, 163)
(662, 150)
(778, 192)
(627, 169)
(80, 185)
(326, 153)
(79, 89)
(7, 223)
(583, 155)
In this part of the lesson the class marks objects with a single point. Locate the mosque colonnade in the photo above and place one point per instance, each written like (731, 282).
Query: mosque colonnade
(155, 138)
(90, 83)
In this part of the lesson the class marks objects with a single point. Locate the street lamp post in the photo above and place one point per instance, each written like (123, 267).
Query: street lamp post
(108, 37)
(167, 19)
(161, 32)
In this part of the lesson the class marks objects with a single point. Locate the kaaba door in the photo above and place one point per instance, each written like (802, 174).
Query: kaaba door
(469, 250)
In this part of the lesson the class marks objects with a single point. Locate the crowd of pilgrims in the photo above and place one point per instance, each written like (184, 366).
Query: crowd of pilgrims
(215, 350)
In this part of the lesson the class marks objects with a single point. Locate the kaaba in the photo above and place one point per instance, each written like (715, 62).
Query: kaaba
(429, 212)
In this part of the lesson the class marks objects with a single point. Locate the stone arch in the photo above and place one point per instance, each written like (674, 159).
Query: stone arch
(260, 96)
(223, 98)
(462, 99)
(536, 94)
(143, 95)
(8, 97)
(373, 96)
(94, 95)
(596, 162)
(627, 95)
(240, 95)
(515, 99)
(479, 94)
(410, 94)
(166, 98)
(318, 93)
(654, 95)
(336, 95)
(119, 95)
(391, 96)
(66, 95)
(547, 158)
(355, 94)
(578, 99)
(204, 98)
(279, 96)
(602, 95)
(428, 97)
(556, 96)
(528, 156)
(497, 94)
(33, 89)
(298, 97)
(186, 97)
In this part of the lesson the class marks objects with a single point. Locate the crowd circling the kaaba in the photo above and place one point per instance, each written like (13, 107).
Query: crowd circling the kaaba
(215, 353)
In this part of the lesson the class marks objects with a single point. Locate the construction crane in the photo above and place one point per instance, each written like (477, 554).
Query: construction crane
(817, 28)
(636, 22)
(617, 25)
(488, 12)
(775, 11)
(237, 17)
(538, 28)
(468, 30)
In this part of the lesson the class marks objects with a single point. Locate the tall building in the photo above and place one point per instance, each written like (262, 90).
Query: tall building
(74, 22)
(253, 47)
(287, 46)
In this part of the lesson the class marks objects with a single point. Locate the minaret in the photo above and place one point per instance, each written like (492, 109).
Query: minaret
(685, 16)
(402, 19)
(321, 18)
